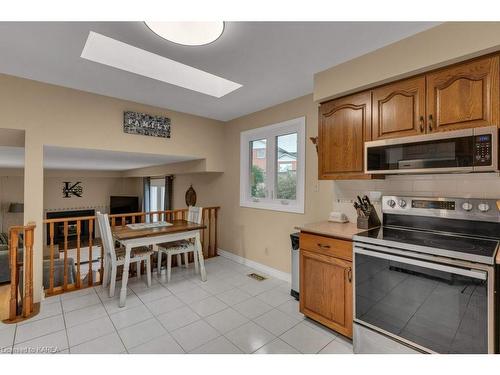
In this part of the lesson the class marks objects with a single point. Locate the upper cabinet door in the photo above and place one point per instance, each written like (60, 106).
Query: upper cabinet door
(463, 96)
(399, 109)
(344, 126)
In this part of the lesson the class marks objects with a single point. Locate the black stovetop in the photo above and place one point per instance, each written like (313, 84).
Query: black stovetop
(451, 242)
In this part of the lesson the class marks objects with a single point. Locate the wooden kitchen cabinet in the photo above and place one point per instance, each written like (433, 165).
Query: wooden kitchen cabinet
(344, 126)
(463, 96)
(399, 109)
(326, 282)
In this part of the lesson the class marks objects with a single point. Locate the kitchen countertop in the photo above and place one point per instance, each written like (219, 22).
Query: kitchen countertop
(327, 228)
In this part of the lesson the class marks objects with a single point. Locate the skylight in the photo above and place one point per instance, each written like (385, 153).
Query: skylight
(104, 50)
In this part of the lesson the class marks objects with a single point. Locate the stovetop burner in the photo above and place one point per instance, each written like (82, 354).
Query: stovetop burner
(456, 246)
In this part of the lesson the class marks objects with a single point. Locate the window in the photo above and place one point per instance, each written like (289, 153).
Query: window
(272, 167)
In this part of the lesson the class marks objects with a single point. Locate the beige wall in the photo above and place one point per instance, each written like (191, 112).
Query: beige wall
(206, 185)
(12, 137)
(70, 118)
(11, 191)
(96, 192)
(53, 115)
(446, 43)
(262, 235)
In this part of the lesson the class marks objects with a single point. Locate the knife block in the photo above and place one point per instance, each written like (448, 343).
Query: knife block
(370, 221)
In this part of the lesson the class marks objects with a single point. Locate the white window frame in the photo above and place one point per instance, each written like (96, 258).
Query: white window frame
(270, 132)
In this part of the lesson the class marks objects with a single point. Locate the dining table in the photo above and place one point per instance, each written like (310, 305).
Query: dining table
(151, 235)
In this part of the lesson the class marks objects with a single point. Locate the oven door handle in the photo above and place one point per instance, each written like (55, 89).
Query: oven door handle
(476, 274)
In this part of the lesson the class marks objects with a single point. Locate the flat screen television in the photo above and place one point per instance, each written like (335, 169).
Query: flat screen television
(123, 205)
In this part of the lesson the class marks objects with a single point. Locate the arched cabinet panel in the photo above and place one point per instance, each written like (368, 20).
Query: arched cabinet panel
(463, 96)
(399, 109)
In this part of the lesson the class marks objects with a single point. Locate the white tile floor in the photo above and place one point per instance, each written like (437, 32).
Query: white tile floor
(230, 313)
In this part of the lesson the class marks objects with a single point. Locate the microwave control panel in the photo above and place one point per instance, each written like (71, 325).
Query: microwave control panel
(482, 149)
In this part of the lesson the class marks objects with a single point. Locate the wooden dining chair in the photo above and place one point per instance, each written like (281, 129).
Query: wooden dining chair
(195, 215)
(114, 257)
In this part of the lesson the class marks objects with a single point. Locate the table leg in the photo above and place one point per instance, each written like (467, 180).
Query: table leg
(126, 265)
(199, 251)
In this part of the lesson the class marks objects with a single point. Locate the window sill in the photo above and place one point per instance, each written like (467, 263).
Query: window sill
(297, 209)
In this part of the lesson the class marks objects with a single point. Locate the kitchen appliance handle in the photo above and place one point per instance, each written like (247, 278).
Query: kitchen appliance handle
(476, 274)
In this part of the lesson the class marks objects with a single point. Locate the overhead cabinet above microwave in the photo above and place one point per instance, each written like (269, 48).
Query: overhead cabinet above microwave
(462, 96)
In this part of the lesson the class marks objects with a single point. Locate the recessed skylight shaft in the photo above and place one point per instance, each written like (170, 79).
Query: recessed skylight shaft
(111, 52)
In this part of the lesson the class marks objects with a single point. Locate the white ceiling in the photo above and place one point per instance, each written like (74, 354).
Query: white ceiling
(85, 159)
(274, 61)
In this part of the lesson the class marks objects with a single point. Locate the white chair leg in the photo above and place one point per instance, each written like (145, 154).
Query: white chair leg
(105, 277)
(138, 269)
(112, 281)
(195, 260)
(169, 266)
(159, 263)
(179, 260)
(186, 260)
(148, 270)
(199, 250)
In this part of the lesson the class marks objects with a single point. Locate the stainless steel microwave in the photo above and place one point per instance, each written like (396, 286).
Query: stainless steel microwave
(469, 150)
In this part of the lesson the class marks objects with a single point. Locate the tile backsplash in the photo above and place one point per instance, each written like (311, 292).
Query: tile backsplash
(479, 185)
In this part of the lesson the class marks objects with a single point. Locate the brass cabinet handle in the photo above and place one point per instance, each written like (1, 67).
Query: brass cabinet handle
(421, 124)
(349, 274)
(430, 122)
(323, 246)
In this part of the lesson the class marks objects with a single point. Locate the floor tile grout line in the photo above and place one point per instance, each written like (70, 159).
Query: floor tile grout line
(38, 337)
(211, 293)
(218, 337)
(13, 340)
(309, 327)
(166, 330)
(250, 320)
(65, 327)
(109, 317)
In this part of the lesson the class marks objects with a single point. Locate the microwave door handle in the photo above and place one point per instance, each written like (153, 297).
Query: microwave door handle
(476, 274)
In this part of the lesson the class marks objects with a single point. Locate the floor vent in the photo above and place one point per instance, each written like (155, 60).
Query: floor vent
(256, 276)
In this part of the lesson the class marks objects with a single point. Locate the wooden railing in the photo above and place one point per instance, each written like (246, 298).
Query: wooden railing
(21, 294)
(59, 282)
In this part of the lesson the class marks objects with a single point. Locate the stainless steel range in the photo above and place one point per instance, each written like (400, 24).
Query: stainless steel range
(425, 280)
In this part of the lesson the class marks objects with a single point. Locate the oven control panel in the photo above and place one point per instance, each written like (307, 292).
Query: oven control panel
(482, 149)
(432, 204)
(453, 208)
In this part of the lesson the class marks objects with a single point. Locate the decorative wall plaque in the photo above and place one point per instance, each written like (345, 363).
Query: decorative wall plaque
(190, 196)
(70, 189)
(144, 124)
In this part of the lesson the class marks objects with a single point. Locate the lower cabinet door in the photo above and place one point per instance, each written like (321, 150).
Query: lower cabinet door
(326, 290)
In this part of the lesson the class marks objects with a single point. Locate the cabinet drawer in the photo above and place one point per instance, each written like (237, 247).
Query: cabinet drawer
(326, 245)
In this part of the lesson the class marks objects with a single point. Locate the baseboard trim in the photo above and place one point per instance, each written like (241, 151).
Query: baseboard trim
(258, 266)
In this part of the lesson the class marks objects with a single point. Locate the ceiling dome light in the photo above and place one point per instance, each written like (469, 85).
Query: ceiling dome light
(188, 33)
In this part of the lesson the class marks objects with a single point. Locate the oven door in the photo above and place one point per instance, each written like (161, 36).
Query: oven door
(433, 307)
